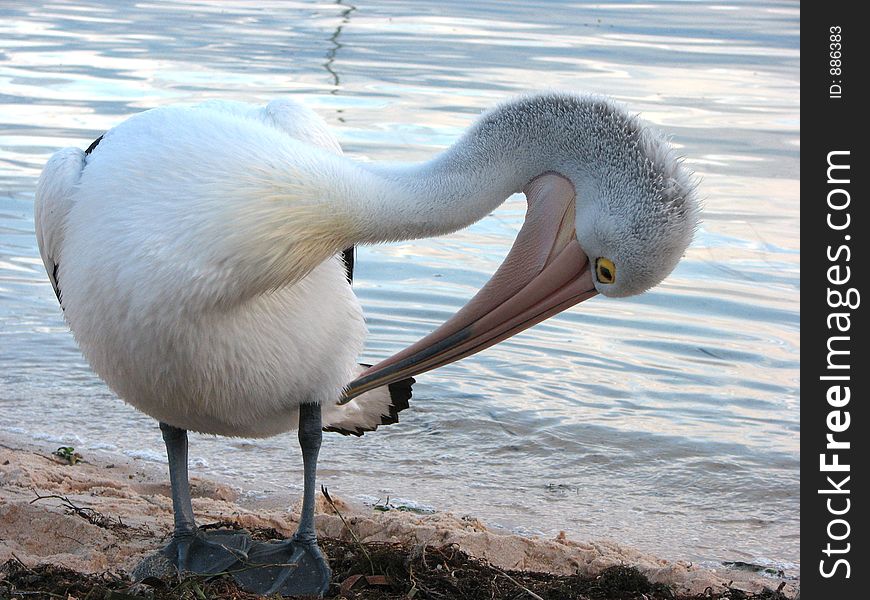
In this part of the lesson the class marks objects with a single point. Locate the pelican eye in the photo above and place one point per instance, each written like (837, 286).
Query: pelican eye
(605, 270)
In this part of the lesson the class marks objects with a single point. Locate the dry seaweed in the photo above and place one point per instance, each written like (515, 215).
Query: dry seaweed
(401, 573)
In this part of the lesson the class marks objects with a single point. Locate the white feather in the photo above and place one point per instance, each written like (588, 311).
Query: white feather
(54, 197)
(241, 370)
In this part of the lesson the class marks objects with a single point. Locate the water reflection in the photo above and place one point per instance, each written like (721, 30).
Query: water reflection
(336, 46)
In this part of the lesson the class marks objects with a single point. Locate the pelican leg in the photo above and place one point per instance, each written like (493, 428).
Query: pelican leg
(191, 550)
(310, 438)
(294, 567)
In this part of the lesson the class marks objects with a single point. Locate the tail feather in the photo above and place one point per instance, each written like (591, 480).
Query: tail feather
(368, 411)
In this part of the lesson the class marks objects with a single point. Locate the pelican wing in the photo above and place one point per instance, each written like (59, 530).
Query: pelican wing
(368, 411)
(54, 197)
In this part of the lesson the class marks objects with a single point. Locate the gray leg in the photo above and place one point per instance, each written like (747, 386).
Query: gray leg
(190, 550)
(294, 567)
(310, 436)
(176, 450)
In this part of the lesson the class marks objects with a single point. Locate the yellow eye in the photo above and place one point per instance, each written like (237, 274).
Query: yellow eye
(605, 270)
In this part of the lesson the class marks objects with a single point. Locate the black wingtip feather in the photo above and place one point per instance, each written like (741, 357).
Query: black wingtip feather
(348, 256)
(342, 431)
(400, 394)
(93, 145)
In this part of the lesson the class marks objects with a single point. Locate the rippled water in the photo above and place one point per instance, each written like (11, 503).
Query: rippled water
(667, 421)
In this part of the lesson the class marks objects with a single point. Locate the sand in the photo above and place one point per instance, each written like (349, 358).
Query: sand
(134, 518)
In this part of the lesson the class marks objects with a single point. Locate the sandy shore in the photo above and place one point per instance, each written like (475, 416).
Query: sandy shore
(136, 494)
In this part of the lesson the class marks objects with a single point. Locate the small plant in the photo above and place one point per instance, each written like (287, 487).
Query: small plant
(68, 454)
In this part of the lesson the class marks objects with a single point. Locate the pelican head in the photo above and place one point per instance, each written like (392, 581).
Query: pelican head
(611, 210)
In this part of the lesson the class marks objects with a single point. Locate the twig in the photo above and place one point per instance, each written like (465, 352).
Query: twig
(518, 584)
(70, 538)
(92, 516)
(21, 562)
(38, 593)
(325, 493)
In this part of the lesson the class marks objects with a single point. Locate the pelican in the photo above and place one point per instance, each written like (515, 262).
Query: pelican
(197, 254)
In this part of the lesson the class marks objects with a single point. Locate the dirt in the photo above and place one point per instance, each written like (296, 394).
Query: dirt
(378, 571)
(72, 530)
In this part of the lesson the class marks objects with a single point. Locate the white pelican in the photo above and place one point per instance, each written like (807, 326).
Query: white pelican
(196, 254)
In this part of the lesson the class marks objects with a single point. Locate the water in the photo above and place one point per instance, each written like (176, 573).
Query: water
(667, 421)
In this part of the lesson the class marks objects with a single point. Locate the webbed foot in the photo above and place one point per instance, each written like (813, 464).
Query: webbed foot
(289, 568)
(200, 552)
